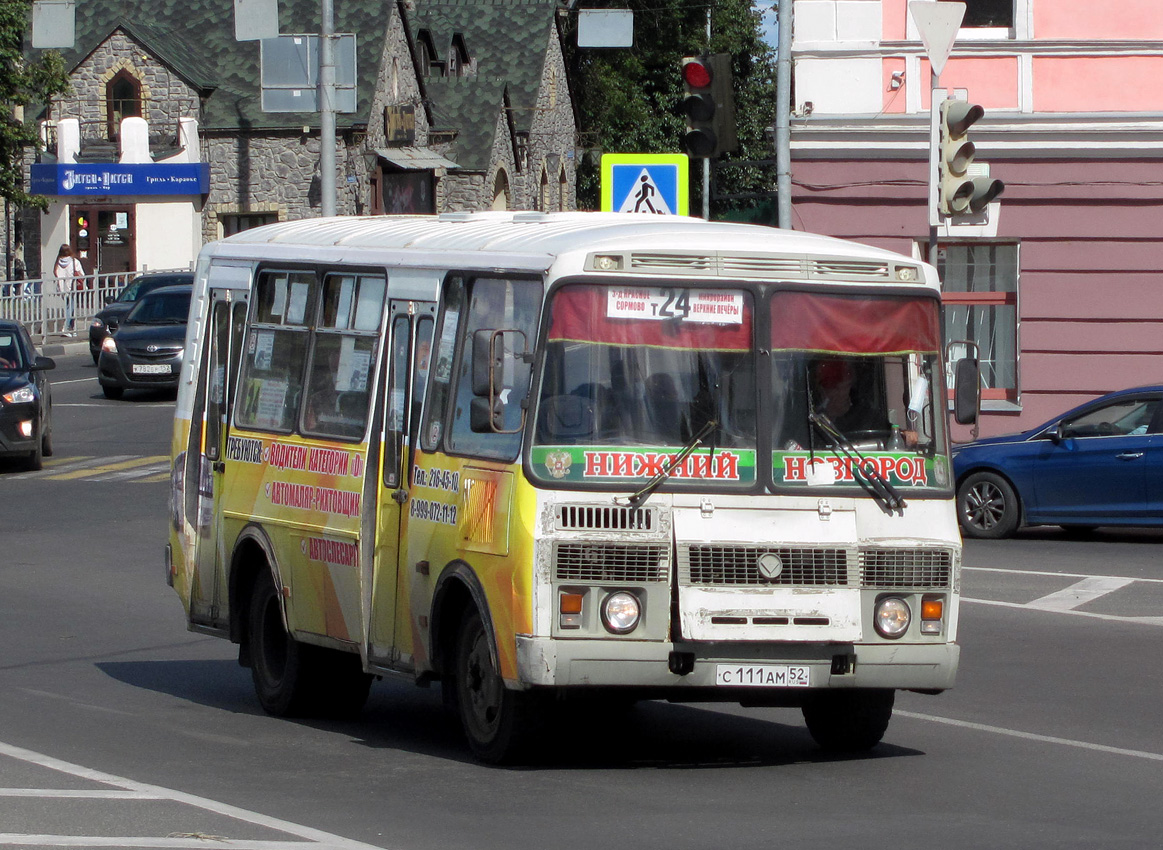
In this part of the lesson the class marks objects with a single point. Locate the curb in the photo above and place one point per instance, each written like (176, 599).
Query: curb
(59, 348)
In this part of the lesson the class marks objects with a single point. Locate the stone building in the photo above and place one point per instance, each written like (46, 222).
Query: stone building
(164, 144)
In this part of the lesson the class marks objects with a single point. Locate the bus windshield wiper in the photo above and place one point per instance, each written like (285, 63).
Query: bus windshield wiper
(636, 499)
(866, 473)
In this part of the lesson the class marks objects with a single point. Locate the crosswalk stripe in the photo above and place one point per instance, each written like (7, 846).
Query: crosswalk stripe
(136, 473)
(94, 471)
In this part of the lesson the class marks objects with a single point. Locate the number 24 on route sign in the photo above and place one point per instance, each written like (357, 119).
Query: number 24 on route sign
(657, 183)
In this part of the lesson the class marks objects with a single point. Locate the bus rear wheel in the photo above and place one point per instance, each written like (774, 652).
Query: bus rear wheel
(849, 720)
(498, 722)
(277, 659)
(294, 679)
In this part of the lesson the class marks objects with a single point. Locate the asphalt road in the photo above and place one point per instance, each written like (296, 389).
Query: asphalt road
(120, 728)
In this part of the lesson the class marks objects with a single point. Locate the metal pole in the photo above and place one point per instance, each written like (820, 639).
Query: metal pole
(707, 160)
(934, 84)
(327, 108)
(783, 115)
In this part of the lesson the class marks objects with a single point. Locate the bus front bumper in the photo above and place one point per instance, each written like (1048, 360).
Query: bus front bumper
(618, 663)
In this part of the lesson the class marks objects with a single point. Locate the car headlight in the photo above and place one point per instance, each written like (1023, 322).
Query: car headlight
(23, 395)
(892, 617)
(109, 345)
(621, 612)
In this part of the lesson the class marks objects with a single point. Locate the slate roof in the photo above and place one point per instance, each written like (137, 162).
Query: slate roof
(195, 38)
(506, 38)
(469, 105)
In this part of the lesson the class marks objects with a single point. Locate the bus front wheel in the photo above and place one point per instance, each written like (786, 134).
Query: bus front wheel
(498, 722)
(849, 720)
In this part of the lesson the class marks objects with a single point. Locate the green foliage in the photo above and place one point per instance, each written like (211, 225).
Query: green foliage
(22, 83)
(629, 99)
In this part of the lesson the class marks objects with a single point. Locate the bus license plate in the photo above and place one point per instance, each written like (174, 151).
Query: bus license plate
(763, 675)
(151, 368)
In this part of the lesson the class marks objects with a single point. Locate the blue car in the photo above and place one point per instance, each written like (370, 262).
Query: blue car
(1098, 464)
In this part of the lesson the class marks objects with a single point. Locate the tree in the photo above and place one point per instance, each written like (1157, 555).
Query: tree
(22, 83)
(629, 99)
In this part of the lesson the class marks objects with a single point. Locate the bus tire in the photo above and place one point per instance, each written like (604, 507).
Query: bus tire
(849, 720)
(343, 684)
(497, 722)
(280, 665)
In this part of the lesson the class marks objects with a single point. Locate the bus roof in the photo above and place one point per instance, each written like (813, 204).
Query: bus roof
(538, 241)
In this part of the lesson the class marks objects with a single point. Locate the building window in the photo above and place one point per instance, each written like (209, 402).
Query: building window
(981, 306)
(457, 57)
(122, 100)
(237, 222)
(521, 142)
(988, 13)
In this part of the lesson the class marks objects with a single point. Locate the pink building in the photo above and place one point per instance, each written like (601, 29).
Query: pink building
(1060, 285)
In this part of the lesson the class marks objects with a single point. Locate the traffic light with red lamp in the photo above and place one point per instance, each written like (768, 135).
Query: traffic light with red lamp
(708, 105)
(963, 188)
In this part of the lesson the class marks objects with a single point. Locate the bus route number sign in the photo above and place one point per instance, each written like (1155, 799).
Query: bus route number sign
(707, 306)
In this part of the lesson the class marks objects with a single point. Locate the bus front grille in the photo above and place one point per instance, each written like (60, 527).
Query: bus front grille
(604, 518)
(929, 568)
(741, 565)
(612, 562)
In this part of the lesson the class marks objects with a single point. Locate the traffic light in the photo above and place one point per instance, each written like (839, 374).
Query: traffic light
(963, 188)
(709, 105)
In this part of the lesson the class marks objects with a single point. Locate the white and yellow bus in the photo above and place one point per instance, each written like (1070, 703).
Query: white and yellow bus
(542, 456)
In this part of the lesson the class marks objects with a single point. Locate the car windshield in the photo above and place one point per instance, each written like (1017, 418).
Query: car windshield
(856, 381)
(11, 360)
(160, 308)
(633, 375)
(139, 286)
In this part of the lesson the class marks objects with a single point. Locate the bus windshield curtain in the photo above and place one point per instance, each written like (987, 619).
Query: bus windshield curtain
(860, 324)
(582, 314)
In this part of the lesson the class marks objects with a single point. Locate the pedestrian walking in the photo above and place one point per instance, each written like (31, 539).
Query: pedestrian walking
(68, 272)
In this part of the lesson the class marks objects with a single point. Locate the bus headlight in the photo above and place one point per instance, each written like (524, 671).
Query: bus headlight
(892, 617)
(621, 612)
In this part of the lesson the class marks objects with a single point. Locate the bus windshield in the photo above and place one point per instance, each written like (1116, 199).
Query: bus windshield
(633, 374)
(856, 380)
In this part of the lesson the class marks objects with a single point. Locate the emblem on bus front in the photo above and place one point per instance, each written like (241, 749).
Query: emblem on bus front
(770, 565)
(558, 464)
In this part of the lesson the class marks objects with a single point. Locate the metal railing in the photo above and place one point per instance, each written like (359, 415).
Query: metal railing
(44, 310)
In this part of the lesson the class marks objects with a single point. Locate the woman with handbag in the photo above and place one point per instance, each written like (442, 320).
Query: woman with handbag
(68, 272)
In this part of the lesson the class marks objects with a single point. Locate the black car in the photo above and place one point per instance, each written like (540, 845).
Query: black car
(25, 397)
(105, 323)
(146, 351)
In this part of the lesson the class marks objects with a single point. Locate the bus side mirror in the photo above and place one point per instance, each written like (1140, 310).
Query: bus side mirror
(485, 417)
(487, 362)
(966, 391)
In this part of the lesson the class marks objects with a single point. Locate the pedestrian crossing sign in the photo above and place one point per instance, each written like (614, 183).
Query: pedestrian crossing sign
(657, 183)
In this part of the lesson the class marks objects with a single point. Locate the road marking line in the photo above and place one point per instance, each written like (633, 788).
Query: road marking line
(1032, 736)
(1052, 574)
(1079, 593)
(1141, 621)
(310, 836)
(67, 464)
(108, 467)
(190, 842)
(82, 795)
(73, 381)
(150, 479)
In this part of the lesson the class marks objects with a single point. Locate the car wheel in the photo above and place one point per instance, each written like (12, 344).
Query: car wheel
(987, 506)
(96, 356)
(849, 720)
(46, 444)
(498, 722)
(113, 392)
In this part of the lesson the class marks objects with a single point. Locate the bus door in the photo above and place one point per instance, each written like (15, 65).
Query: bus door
(223, 341)
(410, 327)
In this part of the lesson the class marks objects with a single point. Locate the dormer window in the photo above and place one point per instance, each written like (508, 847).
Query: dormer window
(122, 100)
(457, 57)
(430, 66)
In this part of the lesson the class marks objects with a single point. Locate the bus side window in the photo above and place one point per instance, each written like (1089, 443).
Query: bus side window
(275, 350)
(445, 342)
(510, 306)
(422, 359)
(397, 401)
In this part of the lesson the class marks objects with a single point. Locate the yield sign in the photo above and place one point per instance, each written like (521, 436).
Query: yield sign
(937, 23)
